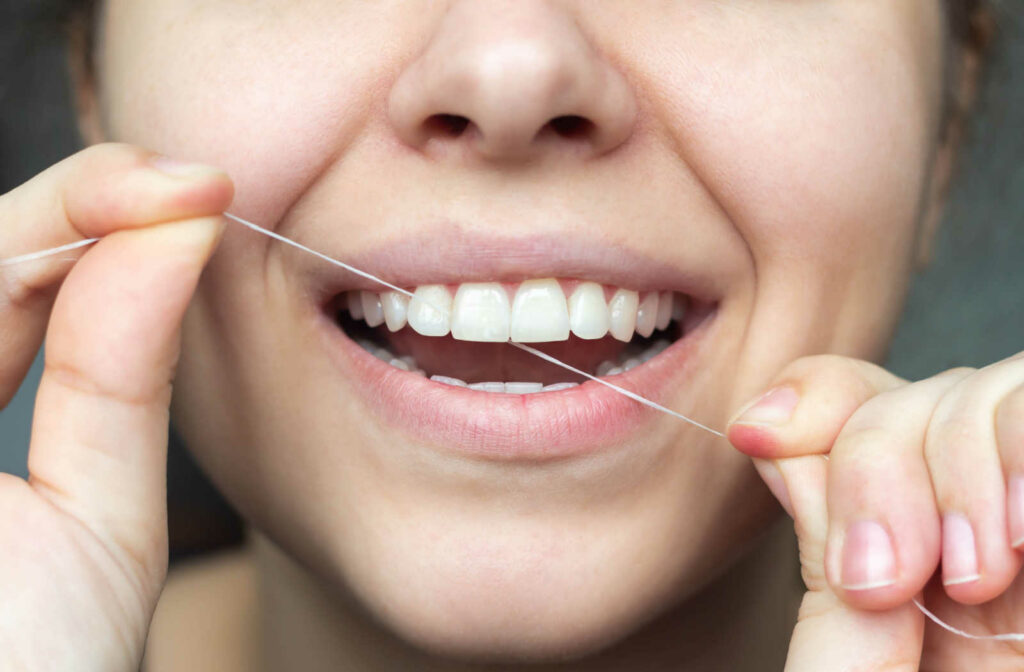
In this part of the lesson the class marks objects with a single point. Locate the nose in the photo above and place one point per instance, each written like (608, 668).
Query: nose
(511, 80)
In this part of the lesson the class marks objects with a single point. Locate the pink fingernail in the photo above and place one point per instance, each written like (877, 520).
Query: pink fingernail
(959, 554)
(868, 557)
(1015, 510)
(774, 408)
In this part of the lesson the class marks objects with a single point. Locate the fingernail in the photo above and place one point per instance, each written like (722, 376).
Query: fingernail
(1015, 512)
(176, 168)
(959, 554)
(773, 408)
(772, 477)
(868, 557)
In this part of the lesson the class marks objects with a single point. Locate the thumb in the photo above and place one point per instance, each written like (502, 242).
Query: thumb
(830, 635)
(807, 406)
(99, 436)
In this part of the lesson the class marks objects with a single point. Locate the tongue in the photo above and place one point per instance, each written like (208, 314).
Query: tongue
(485, 362)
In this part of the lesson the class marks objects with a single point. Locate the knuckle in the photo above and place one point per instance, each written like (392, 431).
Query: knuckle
(841, 378)
(826, 366)
(1011, 407)
(856, 449)
(951, 430)
(873, 417)
(1010, 424)
(114, 151)
(959, 377)
(963, 415)
(19, 292)
(75, 379)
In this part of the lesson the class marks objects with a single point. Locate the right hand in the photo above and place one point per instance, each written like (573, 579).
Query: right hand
(882, 520)
(83, 542)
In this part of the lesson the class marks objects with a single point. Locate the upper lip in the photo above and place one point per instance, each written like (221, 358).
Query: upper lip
(451, 254)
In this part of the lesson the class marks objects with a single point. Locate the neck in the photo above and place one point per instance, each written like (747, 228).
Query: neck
(741, 621)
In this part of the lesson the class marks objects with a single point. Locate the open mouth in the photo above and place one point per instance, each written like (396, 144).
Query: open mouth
(436, 366)
(457, 334)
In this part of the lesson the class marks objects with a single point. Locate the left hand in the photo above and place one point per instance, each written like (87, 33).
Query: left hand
(917, 473)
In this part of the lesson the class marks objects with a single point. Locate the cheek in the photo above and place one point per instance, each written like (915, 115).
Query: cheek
(810, 125)
(270, 95)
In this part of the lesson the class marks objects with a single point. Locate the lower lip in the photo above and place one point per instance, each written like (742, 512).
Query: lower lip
(531, 427)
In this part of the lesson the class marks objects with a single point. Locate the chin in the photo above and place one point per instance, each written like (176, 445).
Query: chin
(531, 596)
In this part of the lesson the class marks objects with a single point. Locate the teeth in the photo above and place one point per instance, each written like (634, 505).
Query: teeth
(588, 313)
(664, 310)
(488, 387)
(503, 388)
(481, 313)
(539, 313)
(523, 388)
(355, 304)
(396, 309)
(373, 312)
(622, 314)
(678, 308)
(655, 350)
(630, 359)
(647, 314)
(399, 364)
(430, 310)
(455, 382)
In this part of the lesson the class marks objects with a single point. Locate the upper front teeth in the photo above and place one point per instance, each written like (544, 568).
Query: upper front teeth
(481, 313)
(373, 311)
(396, 309)
(622, 311)
(537, 312)
(430, 310)
(588, 312)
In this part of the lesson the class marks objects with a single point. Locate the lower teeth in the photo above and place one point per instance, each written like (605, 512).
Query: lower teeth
(630, 359)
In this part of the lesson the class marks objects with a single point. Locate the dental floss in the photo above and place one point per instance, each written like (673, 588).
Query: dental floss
(632, 395)
(1006, 637)
(350, 269)
(32, 256)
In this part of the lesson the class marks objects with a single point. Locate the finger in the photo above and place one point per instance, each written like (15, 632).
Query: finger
(829, 634)
(807, 406)
(99, 190)
(1010, 438)
(99, 433)
(966, 465)
(884, 534)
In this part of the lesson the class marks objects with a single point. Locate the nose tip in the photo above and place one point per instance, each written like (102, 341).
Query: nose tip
(510, 80)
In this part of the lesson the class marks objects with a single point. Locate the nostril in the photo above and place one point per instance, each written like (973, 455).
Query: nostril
(571, 126)
(450, 125)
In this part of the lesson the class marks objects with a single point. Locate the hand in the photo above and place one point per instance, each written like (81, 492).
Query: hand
(83, 542)
(917, 473)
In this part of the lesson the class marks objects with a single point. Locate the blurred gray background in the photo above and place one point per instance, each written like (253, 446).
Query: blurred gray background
(966, 309)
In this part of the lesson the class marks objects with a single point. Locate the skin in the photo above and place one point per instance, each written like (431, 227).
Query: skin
(799, 139)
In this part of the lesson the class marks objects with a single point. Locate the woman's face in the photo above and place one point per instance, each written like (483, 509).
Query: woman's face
(766, 161)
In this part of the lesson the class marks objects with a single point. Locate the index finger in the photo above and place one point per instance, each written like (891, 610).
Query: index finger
(99, 190)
